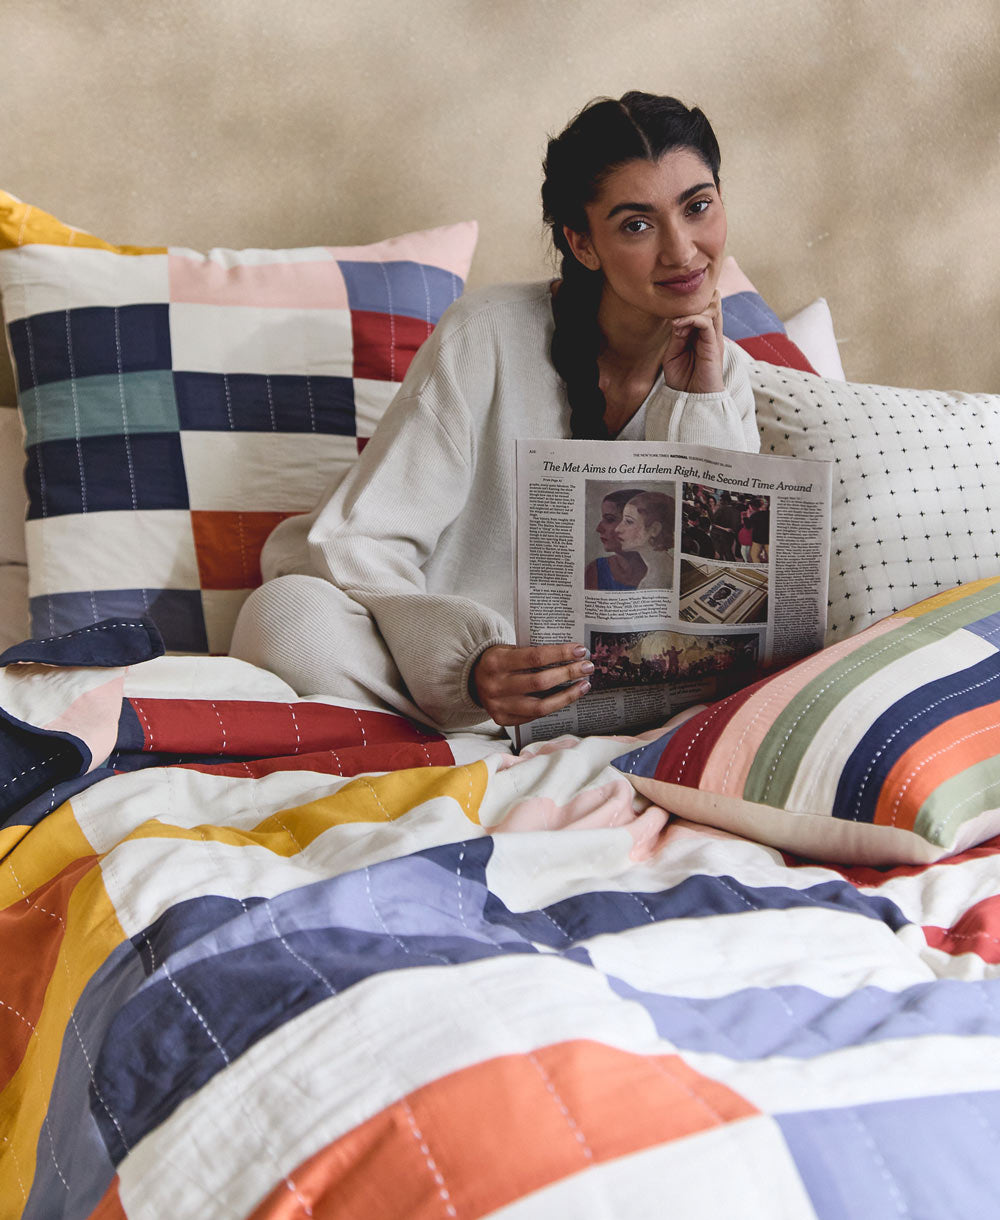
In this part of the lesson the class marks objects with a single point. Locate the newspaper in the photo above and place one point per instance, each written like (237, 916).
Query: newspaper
(716, 574)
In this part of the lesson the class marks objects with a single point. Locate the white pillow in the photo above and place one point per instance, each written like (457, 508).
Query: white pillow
(13, 497)
(811, 330)
(915, 482)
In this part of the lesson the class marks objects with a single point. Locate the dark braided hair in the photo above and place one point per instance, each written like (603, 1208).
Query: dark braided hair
(603, 136)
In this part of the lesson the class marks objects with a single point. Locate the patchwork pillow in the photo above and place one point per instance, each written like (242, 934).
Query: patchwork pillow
(179, 405)
(915, 480)
(750, 322)
(883, 749)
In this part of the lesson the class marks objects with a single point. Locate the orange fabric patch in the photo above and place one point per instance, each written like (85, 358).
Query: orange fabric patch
(228, 546)
(110, 1206)
(480, 1138)
(31, 933)
(952, 747)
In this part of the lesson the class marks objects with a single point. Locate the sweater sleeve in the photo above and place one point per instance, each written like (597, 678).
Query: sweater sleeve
(727, 419)
(382, 522)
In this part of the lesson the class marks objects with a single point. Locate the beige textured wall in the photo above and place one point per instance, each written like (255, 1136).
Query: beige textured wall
(861, 138)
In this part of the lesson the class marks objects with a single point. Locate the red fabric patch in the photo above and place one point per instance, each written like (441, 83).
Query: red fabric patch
(228, 546)
(348, 760)
(266, 730)
(978, 931)
(110, 1206)
(778, 349)
(384, 344)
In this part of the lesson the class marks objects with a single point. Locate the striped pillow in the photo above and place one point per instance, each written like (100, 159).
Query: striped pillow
(179, 405)
(749, 321)
(881, 749)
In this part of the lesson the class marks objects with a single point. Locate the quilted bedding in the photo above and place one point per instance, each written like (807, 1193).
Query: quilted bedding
(271, 957)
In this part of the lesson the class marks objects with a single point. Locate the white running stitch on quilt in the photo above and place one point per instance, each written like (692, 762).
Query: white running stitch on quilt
(312, 405)
(880, 1162)
(378, 800)
(27, 771)
(121, 396)
(570, 1120)
(229, 401)
(222, 725)
(270, 402)
(295, 726)
(443, 1193)
(17, 1167)
(76, 411)
(361, 725)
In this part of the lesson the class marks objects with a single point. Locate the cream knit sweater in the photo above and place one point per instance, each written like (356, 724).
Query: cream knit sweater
(419, 531)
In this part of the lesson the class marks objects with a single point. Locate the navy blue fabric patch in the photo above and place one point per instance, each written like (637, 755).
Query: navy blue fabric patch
(32, 760)
(177, 613)
(107, 645)
(88, 341)
(184, 923)
(249, 402)
(38, 807)
(106, 473)
(413, 290)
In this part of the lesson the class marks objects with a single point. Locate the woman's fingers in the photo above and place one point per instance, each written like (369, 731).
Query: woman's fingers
(693, 359)
(515, 685)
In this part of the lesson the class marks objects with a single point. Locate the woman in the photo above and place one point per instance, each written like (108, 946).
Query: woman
(397, 589)
(647, 527)
(620, 570)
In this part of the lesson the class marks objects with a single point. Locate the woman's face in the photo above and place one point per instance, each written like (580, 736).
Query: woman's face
(611, 514)
(632, 531)
(658, 234)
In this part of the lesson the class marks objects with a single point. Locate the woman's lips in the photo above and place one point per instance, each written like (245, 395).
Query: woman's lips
(684, 283)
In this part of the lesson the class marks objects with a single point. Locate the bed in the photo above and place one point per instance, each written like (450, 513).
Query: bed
(266, 956)
(270, 956)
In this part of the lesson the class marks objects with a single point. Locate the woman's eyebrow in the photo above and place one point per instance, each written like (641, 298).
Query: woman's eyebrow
(646, 208)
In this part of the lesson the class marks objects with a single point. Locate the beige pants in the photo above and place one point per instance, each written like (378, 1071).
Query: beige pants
(319, 641)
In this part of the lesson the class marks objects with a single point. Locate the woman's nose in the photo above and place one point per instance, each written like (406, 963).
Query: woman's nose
(677, 247)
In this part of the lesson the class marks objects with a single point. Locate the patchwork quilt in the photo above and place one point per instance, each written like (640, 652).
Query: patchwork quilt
(266, 957)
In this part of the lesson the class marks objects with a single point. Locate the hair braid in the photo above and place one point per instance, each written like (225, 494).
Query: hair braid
(576, 343)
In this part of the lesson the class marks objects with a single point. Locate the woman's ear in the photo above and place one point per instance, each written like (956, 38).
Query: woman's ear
(582, 248)
(655, 530)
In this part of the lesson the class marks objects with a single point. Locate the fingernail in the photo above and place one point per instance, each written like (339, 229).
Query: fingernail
(584, 687)
(580, 651)
(587, 667)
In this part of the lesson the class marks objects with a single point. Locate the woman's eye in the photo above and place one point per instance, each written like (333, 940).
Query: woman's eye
(699, 206)
(636, 225)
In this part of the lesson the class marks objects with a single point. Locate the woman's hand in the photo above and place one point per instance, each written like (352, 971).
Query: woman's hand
(515, 685)
(693, 359)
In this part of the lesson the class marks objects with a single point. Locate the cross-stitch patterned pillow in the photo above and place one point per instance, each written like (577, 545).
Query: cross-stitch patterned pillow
(179, 405)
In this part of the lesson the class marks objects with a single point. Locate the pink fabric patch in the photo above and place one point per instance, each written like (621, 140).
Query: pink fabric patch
(732, 279)
(93, 718)
(277, 285)
(449, 247)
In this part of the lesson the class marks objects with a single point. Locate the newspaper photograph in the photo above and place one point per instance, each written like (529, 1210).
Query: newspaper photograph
(687, 571)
